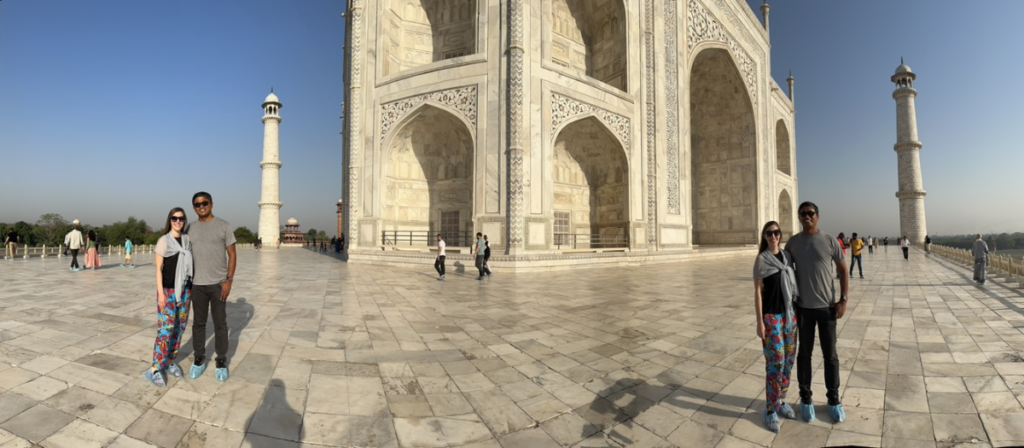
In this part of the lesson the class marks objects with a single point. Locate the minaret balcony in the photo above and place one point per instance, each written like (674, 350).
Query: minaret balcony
(270, 205)
(913, 194)
(904, 91)
(907, 146)
(277, 165)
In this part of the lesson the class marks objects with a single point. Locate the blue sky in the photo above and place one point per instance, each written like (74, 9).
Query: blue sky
(117, 108)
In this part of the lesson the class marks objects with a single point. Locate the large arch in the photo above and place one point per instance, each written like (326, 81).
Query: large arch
(783, 155)
(419, 32)
(786, 215)
(723, 145)
(590, 36)
(427, 180)
(591, 187)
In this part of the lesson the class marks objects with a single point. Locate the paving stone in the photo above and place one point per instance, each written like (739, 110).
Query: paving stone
(113, 414)
(160, 429)
(907, 425)
(958, 428)
(37, 423)
(80, 434)
(12, 404)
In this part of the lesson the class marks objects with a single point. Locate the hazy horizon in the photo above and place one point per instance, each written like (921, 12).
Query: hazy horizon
(118, 108)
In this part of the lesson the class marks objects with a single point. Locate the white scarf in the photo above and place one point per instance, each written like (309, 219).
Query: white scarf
(767, 265)
(183, 271)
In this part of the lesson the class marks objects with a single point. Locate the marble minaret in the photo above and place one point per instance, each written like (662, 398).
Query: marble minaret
(270, 200)
(908, 149)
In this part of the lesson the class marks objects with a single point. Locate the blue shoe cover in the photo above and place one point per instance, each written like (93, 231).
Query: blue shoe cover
(771, 421)
(222, 374)
(196, 371)
(175, 371)
(807, 411)
(155, 378)
(837, 413)
(787, 411)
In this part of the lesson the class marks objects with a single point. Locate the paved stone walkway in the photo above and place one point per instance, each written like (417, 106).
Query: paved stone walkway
(323, 353)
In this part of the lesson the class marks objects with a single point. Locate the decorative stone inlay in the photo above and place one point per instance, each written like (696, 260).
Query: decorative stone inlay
(564, 108)
(461, 99)
(650, 95)
(672, 106)
(515, 125)
(704, 27)
(355, 123)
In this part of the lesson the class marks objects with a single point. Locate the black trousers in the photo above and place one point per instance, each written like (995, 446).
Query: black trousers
(906, 253)
(206, 298)
(481, 265)
(825, 320)
(439, 265)
(74, 258)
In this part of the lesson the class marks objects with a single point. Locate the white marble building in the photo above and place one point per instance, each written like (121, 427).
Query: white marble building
(646, 126)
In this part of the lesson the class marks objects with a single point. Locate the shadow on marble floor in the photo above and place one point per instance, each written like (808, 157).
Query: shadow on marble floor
(275, 423)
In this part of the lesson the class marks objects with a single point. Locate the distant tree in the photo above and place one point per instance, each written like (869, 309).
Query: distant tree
(115, 233)
(322, 235)
(244, 236)
(25, 232)
(312, 234)
(50, 229)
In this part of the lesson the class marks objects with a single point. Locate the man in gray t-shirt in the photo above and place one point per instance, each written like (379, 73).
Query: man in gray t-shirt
(815, 253)
(980, 252)
(213, 252)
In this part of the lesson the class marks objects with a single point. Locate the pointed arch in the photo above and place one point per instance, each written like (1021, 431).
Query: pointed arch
(723, 146)
(590, 36)
(786, 221)
(427, 173)
(420, 32)
(783, 154)
(591, 185)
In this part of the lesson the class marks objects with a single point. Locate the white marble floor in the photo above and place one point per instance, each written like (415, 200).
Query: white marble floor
(324, 353)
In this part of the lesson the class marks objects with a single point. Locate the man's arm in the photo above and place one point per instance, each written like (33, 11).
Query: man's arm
(232, 263)
(844, 288)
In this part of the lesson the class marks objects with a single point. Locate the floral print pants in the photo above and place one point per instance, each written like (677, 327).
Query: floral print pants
(779, 356)
(172, 323)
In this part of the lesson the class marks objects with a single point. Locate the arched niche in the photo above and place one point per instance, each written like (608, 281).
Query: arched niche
(786, 215)
(420, 32)
(590, 36)
(427, 181)
(591, 186)
(723, 145)
(783, 155)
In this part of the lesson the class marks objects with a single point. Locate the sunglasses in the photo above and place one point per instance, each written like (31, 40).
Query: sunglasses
(773, 233)
(808, 214)
(178, 219)
(203, 204)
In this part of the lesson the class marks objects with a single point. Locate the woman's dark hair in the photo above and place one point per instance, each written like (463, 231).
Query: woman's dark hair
(91, 235)
(167, 226)
(764, 241)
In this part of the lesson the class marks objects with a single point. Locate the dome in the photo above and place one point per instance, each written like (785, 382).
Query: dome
(903, 68)
(292, 222)
(271, 98)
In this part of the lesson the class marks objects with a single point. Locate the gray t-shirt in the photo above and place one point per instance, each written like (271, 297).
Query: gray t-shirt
(210, 241)
(815, 258)
(979, 250)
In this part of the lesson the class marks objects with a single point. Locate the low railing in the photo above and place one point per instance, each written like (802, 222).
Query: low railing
(46, 251)
(425, 238)
(590, 241)
(1003, 265)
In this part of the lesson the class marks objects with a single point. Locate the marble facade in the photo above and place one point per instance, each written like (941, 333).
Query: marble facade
(654, 122)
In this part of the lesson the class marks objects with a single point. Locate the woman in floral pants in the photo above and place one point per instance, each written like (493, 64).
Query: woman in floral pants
(173, 282)
(774, 291)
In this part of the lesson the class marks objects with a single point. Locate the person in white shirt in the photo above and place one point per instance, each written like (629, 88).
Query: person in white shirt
(75, 242)
(439, 262)
(905, 245)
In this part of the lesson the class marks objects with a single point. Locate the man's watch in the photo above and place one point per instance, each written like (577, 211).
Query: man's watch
(843, 298)
(229, 279)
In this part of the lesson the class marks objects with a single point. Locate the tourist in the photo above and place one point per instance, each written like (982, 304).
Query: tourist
(487, 255)
(341, 242)
(814, 252)
(74, 241)
(885, 242)
(927, 244)
(774, 291)
(128, 262)
(11, 242)
(856, 248)
(213, 245)
(980, 252)
(842, 243)
(259, 243)
(92, 251)
(439, 261)
(478, 254)
(174, 270)
(905, 245)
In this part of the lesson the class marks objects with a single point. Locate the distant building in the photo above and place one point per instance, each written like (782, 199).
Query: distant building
(292, 236)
